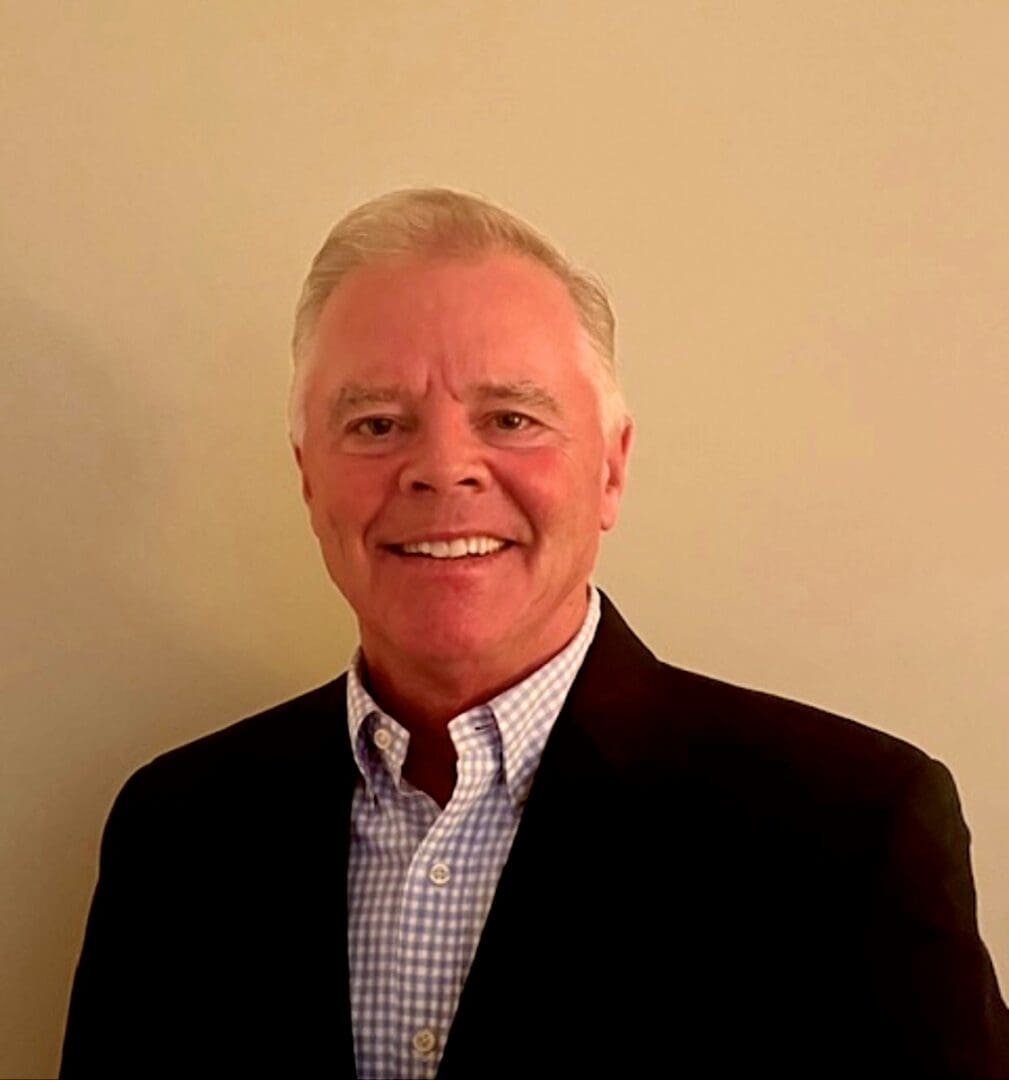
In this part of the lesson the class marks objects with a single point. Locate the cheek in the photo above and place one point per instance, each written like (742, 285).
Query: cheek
(347, 499)
(555, 491)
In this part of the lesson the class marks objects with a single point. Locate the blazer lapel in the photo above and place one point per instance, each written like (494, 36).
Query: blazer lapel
(542, 938)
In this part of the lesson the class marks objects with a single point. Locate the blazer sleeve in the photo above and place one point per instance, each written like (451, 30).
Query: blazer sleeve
(937, 990)
(109, 1018)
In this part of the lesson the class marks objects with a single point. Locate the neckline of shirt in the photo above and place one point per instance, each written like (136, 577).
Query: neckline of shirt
(519, 720)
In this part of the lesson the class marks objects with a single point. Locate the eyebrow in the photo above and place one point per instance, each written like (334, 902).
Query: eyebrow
(358, 396)
(523, 392)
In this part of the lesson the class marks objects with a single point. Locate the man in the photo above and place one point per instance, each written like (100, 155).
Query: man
(509, 840)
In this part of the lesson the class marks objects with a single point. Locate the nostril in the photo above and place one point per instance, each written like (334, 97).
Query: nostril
(426, 480)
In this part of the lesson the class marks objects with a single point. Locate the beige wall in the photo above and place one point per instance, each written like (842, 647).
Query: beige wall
(801, 210)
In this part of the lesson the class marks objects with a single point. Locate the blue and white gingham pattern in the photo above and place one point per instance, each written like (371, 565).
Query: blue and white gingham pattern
(421, 878)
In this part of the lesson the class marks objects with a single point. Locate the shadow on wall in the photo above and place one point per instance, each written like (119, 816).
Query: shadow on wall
(95, 676)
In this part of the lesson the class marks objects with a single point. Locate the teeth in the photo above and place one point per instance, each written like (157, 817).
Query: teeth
(455, 549)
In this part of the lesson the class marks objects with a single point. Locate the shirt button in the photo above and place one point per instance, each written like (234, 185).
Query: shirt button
(383, 738)
(439, 874)
(424, 1041)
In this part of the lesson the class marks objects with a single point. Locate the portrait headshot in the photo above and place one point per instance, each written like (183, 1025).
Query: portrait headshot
(508, 555)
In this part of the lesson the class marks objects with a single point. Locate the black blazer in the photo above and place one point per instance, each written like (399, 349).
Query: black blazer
(707, 882)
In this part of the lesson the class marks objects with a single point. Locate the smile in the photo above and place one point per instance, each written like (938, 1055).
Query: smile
(458, 548)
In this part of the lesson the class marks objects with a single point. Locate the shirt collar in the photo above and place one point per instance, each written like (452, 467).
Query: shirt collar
(522, 716)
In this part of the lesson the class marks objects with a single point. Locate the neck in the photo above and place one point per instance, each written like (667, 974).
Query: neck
(424, 700)
(425, 696)
(425, 692)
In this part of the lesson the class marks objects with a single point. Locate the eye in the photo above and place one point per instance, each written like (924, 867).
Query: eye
(512, 421)
(373, 427)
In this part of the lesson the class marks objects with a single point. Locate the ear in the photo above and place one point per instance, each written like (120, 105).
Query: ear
(306, 488)
(618, 451)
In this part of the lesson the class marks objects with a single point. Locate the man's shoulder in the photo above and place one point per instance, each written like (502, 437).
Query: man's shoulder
(729, 724)
(738, 737)
(275, 743)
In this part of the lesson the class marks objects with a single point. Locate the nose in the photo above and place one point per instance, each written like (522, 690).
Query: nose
(445, 457)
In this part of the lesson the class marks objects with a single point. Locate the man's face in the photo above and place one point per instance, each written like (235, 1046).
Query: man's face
(450, 409)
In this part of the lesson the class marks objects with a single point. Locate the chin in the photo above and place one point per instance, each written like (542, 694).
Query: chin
(450, 637)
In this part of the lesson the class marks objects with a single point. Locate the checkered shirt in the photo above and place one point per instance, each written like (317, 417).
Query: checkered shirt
(421, 878)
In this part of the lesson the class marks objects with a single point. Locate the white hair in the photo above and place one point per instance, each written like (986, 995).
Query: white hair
(440, 222)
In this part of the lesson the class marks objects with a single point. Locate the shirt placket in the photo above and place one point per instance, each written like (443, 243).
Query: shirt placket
(433, 910)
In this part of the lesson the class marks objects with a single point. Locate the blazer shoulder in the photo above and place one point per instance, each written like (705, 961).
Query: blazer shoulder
(721, 711)
(756, 741)
(266, 745)
(651, 711)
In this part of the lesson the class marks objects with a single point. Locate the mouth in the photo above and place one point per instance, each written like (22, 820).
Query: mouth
(460, 547)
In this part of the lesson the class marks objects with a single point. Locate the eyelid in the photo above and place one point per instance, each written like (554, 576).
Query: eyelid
(529, 420)
(355, 425)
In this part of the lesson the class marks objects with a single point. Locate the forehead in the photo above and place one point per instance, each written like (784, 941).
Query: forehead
(489, 315)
